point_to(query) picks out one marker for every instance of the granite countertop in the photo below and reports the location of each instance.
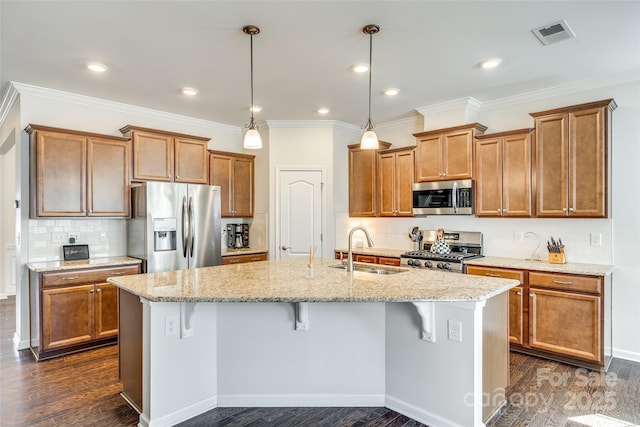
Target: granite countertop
(41, 267)
(543, 265)
(391, 253)
(243, 251)
(286, 281)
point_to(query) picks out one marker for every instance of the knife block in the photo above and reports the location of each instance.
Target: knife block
(557, 258)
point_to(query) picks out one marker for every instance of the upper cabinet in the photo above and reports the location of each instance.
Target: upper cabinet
(446, 154)
(168, 156)
(78, 174)
(234, 173)
(571, 160)
(395, 182)
(363, 180)
(503, 174)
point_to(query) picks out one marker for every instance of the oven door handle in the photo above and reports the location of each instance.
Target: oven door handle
(454, 197)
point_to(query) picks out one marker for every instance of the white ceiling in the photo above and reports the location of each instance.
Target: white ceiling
(427, 49)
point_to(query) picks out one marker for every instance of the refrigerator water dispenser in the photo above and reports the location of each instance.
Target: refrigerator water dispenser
(164, 234)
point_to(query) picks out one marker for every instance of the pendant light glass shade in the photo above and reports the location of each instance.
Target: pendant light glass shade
(369, 139)
(252, 139)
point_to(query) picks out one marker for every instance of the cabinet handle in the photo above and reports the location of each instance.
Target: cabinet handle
(518, 293)
(91, 291)
(70, 278)
(562, 282)
(177, 176)
(98, 290)
(532, 295)
(492, 275)
(572, 210)
(564, 209)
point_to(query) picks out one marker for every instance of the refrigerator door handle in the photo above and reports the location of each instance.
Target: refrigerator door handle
(192, 233)
(184, 223)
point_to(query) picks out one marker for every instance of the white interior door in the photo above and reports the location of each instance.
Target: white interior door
(300, 213)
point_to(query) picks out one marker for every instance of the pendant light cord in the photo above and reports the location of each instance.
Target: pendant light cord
(369, 125)
(251, 125)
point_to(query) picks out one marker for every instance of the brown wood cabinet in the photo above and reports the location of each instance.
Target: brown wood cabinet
(503, 174)
(76, 309)
(371, 259)
(234, 173)
(78, 174)
(446, 154)
(363, 180)
(168, 156)
(395, 182)
(571, 160)
(560, 316)
(240, 259)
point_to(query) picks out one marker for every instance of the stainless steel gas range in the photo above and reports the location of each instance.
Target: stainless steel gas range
(463, 246)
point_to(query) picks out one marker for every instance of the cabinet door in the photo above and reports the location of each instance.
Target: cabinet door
(457, 155)
(551, 165)
(67, 317)
(587, 164)
(152, 156)
(61, 174)
(243, 192)
(388, 261)
(191, 161)
(516, 176)
(108, 186)
(386, 169)
(429, 156)
(565, 323)
(106, 311)
(220, 173)
(362, 182)
(405, 161)
(516, 316)
(370, 259)
(489, 177)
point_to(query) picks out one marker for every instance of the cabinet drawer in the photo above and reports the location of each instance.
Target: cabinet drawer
(496, 272)
(98, 275)
(239, 259)
(366, 258)
(388, 261)
(568, 282)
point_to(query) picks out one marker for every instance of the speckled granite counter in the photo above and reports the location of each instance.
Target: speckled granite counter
(391, 253)
(41, 267)
(244, 251)
(523, 264)
(285, 281)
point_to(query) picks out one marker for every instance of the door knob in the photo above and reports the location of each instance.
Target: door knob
(284, 247)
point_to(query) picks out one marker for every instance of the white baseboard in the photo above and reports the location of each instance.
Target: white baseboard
(19, 344)
(180, 415)
(627, 355)
(294, 400)
(419, 414)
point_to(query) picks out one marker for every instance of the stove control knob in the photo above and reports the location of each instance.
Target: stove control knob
(440, 265)
(417, 263)
(410, 262)
(447, 266)
(428, 264)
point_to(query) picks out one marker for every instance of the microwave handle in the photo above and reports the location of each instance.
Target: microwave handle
(455, 197)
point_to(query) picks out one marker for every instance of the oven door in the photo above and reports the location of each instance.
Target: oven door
(443, 198)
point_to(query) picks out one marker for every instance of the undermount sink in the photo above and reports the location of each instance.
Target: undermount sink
(371, 270)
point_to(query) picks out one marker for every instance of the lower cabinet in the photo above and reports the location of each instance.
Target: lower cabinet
(560, 316)
(239, 259)
(75, 309)
(370, 259)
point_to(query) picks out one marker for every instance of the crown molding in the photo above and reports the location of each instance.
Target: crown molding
(9, 99)
(308, 124)
(120, 107)
(468, 102)
(401, 123)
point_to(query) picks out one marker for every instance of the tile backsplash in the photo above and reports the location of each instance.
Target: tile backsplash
(105, 237)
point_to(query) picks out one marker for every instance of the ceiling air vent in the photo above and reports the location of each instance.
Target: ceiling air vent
(553, 33)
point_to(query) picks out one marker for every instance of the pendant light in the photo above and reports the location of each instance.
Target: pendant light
(369, 139)
(252, 138)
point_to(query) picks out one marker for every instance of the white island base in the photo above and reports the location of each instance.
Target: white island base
(323, 354)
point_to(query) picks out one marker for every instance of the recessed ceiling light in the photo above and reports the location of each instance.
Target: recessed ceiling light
(490, 63)
(323, 110)
(391, 91)
(255, 108)
(189, 91)
(97, 67)
(359, 68)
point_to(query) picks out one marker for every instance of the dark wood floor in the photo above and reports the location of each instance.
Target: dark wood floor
(82, 390)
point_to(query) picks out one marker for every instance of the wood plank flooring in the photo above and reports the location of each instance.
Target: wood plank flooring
(82, 389)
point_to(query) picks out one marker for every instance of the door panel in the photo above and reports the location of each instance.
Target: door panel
(429, 159)
(551, 158)
(243, 187)
(489, 177)
(205, 219)
(152, 156)
(516, 191)
(67, 316)
(191, 161)
(457, 155)
(106, 311)
(405, 162)
(109, 163)
(386, 184)
(300, 213)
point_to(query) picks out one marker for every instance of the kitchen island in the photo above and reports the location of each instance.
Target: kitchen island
(431, 345)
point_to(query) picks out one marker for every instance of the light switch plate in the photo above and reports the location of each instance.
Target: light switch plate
(596, 239)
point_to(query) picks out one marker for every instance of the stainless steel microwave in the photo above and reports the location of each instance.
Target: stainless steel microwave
(443, 198)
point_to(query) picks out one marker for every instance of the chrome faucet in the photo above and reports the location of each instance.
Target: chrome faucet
(350, 256)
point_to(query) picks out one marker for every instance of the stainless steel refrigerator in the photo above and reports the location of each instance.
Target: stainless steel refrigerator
(174, 226)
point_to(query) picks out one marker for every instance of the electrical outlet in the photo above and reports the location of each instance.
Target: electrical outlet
(596, 239)
(103, 237)
(171, 326)
(518, 236)
(73, 237)
(454, 330)
(57, 237)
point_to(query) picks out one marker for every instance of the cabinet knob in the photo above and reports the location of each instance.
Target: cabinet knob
(564, 209)
(169, 175)
(98, 290)
(177, 176)
(518, 293)
(572, 210)
(532, 295)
